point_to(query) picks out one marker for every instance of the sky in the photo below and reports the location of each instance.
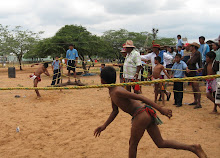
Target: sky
(190, 18)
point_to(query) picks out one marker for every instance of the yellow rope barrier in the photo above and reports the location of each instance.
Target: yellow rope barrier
(187, 91)
(113, 85)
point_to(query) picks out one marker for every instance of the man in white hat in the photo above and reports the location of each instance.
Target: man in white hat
(132, 65)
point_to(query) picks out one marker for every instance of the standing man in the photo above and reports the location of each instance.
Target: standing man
(186, 53)
(164, 57)
(195, 63)
(203, 49)
(179, 42)
(72, 57)
(132, 65)
(121, 64)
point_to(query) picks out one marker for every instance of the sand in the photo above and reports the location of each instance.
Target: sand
(61, 123)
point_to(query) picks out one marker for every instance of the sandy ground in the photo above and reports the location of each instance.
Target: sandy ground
(61, 124)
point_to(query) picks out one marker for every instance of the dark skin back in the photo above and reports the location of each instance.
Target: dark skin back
(127, 101)
(127, 105)
(41, 69)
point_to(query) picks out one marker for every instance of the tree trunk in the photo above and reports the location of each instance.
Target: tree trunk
(83, 62)
(20, 64)
(91, 60)
(19, 60)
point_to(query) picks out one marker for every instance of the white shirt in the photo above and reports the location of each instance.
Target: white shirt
(151, 57)
(169, 60)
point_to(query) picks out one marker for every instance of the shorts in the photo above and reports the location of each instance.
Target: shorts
(156, 79)
(211, 85)
(33, 77)
(71, 65)
(150, 111)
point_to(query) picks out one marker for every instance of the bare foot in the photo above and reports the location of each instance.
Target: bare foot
(213, 112)
(197, 149)
(38, 97)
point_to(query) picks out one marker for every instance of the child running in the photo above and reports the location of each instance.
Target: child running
(211, 68)
(143, 117)
(158, 87)
(36, 76)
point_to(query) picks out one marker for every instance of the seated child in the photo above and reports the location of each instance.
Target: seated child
(158, 87)
(143, 117)
(36, 76)
(211, 67)
(178, 86)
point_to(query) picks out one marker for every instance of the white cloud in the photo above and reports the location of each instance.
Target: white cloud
(190, 18)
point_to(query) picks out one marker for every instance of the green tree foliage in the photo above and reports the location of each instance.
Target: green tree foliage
(85, 43)
(116, 39)
(107, 46)
(17, 41)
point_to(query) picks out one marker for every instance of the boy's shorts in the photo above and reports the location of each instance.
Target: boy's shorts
(211, 85)
(33, 77)
(71, 65)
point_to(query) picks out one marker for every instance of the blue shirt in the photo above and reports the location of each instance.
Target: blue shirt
(161, 55)
(56, 65)
(181, 52)
(181, 66)
(204, 49)
(179, 43)
(72, 54)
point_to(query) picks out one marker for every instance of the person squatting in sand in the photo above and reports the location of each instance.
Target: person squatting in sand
(36, 76)
(144, 117)
(159, 87)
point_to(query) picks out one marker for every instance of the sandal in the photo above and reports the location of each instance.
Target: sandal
(193, 103)
(198, 106)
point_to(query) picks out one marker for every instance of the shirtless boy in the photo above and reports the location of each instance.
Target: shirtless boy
(36, 76)
(143, 117)
(211, 68)
(158, 87)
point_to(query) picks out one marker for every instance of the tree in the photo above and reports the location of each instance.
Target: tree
(83, 40)
(85, 43)
(18, 41)
(154, 33)
(116, 38)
